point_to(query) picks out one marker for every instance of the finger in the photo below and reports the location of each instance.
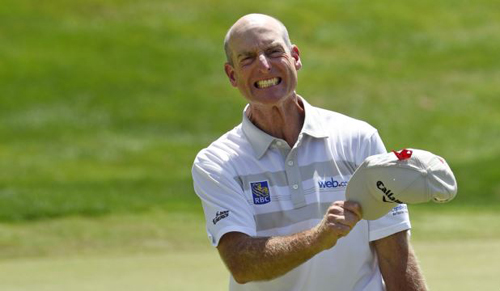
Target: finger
(354, 207)
(347, 218)
(336, 210)
(351, 218)
(339, 229)
(338, 203)
(338, 214)
(336, 207)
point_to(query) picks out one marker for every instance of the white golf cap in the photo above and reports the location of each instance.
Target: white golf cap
(409, 176)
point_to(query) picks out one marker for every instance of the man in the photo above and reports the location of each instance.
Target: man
(273, 188)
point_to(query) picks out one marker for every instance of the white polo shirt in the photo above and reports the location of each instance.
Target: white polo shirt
(251, 182)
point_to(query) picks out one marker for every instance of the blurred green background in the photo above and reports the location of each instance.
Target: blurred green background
(104, 105)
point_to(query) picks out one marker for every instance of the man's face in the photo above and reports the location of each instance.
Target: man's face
(264, 68)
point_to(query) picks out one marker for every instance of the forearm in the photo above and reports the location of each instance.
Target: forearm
(266, 258)
(399, 265)
(409, 277)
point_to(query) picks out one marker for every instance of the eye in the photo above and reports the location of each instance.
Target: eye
(246, 61)
(275, 52)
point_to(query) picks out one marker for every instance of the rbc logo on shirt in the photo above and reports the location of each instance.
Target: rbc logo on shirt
(260, 192)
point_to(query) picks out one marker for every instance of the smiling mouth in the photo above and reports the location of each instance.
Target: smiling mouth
(267, 83)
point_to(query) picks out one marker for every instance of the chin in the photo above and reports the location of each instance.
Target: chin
(268, 100)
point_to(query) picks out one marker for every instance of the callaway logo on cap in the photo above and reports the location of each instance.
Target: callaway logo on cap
(409, 176)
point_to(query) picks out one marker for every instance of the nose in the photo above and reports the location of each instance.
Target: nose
(264, 64)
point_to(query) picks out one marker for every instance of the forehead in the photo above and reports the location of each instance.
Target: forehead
(251, 36)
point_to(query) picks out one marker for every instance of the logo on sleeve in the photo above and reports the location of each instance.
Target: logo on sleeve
(220, 215)
(400, 209)
(260, 192)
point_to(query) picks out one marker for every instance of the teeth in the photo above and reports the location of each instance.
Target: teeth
(267, 83)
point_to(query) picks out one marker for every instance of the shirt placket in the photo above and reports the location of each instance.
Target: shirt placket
(293, 175)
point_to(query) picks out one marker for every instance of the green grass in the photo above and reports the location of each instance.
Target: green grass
(450, 265)
(151, 232)
(104, 104)
(179, 271)
(160, 231)
(457, 251)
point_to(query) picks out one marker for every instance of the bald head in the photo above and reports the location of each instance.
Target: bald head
(252, 21)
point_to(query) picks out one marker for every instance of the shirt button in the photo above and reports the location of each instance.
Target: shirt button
(290, 163)
(278, 143)
(295, 186)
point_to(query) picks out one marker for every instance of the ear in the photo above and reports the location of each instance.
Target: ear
(230, 74)
(296, 56)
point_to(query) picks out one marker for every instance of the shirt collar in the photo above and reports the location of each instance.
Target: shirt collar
(260, 141)
(313, 125)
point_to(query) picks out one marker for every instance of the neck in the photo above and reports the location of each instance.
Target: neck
(283, 120)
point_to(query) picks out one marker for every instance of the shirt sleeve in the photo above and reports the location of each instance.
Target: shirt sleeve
(394, 221)
(223, 202)
(398, 218)
(369, 146)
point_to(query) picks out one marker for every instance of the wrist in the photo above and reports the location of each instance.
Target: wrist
(323, 239)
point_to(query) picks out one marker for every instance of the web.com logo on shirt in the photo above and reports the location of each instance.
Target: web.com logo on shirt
(331, 183)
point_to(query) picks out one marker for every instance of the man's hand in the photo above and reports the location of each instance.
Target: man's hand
(265, 258)
(339, 220)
